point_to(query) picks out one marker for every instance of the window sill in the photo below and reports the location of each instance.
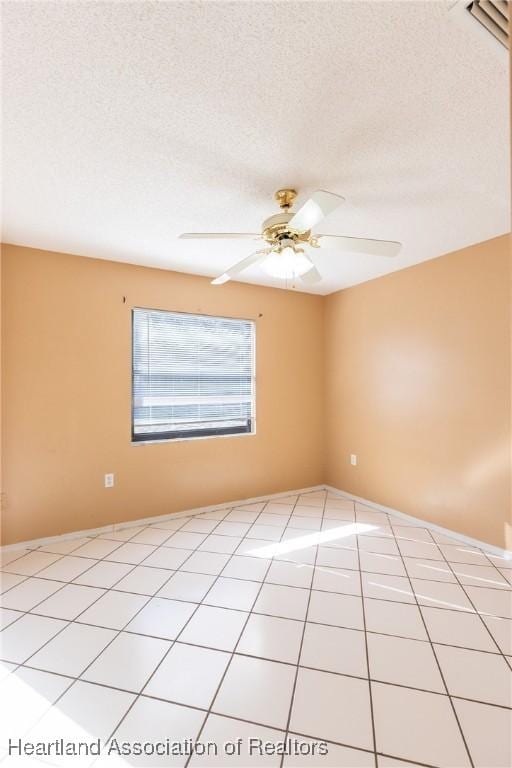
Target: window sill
(189, 439)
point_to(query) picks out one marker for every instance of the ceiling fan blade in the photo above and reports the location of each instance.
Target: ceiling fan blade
(233, 271)
(319, 205)
(312, 276)
(360, 245)
(219, 236)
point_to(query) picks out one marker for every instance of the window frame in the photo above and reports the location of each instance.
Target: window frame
(199, 434)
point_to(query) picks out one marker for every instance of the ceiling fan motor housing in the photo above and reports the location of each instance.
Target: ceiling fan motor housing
(275, 229)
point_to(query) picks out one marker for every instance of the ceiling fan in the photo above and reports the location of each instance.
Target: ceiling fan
(285, 233)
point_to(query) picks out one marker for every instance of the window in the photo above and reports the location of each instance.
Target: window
(192, 376)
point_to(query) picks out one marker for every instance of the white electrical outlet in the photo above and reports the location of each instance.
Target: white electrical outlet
(109, 480)
(353, 459)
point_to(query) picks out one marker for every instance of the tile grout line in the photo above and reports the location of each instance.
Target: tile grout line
(38, 574)
(241, 554)
(294, 687)
(372, 712)
(257, 613)
(439, 666)
(223, 676)
(443, 560)
(506, 587)
(263, 658)
(477, 613)
(238, 578)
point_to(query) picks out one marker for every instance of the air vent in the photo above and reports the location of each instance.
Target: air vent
(494, 15)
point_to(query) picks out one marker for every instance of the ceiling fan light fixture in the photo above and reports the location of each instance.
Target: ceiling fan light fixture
(286, 263)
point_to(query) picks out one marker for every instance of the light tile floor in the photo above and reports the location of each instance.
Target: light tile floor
(308, 618)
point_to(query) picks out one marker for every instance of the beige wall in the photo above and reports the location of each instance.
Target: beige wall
(411, 372)
(66, 395)
(418, 386)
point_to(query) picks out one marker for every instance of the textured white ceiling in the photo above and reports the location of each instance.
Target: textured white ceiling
(128, 123)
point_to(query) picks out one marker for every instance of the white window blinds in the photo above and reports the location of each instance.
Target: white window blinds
(192, 375)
